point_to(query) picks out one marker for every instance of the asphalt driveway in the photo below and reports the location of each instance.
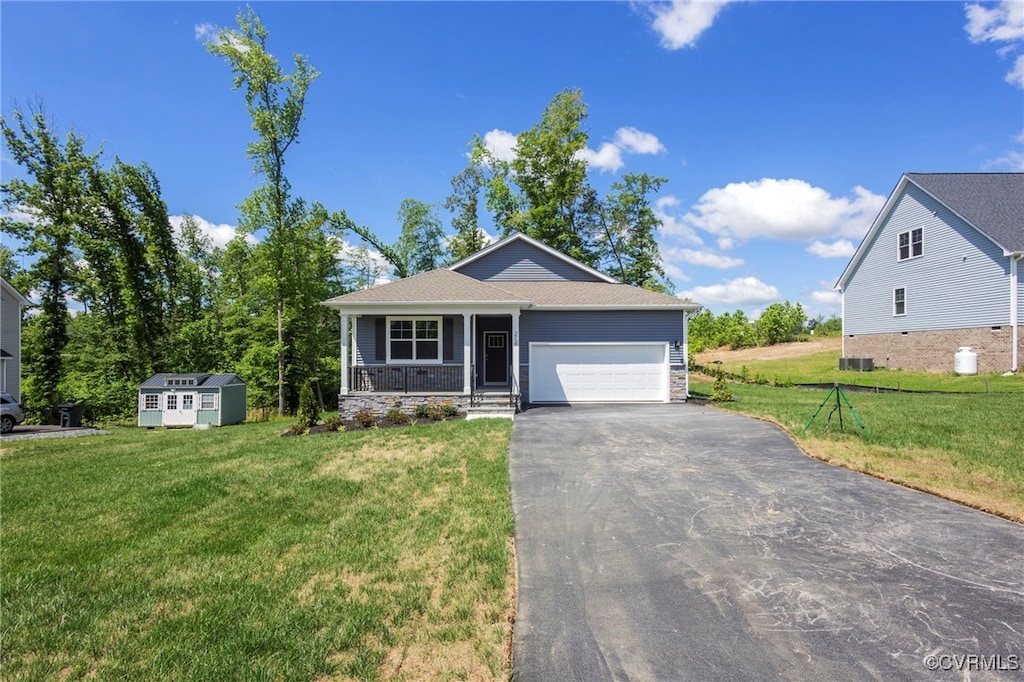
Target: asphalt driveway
(674, 542)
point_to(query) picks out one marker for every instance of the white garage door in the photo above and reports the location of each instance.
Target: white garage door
(598, 372)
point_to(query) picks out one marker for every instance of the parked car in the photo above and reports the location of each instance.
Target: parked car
(11, 412)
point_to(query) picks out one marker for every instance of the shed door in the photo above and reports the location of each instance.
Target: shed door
(598, 372)
(179, 409)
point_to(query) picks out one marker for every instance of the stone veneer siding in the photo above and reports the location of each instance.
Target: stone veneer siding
(380, 403)
(933, 351)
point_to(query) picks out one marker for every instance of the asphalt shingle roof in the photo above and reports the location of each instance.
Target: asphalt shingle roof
(991, 202)
(445, 286)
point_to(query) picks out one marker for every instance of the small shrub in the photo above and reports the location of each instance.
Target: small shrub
(365, 419)
(421, 411)
(744, 374)
(334, 423)
(396, 416)
(309, 409)
(720, 391)
(449, 410)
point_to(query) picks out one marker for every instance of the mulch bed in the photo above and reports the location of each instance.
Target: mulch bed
(352, 425)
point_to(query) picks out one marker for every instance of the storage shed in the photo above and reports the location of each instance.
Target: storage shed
(192, 400)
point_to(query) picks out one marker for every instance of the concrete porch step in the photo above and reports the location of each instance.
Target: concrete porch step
(491, 411)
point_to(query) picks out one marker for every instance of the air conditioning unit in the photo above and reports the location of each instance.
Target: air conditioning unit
(844, 363)
(862, 364)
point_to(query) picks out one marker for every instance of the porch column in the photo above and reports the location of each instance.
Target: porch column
(344, 353)
(515, 348)
(467, 353)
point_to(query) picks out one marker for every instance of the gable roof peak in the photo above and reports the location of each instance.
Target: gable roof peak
(519, 236)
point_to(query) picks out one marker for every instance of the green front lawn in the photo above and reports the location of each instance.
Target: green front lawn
(236, 554)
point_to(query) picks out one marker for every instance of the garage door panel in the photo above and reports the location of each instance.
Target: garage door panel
(598, 372)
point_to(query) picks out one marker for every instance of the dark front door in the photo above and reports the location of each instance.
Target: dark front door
(495, 357)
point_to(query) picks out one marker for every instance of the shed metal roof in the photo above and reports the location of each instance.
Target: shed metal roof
(202, 380)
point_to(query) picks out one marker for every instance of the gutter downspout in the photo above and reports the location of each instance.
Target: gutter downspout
(842, 318)
(1014, 312)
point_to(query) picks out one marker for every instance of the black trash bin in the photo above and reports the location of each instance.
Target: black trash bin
(71, 414)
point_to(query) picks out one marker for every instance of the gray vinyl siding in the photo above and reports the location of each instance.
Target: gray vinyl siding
(366, 340)
(619, 326)
(960, 281)
(522, 262)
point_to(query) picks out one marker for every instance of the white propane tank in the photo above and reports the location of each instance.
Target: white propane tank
(965, 361)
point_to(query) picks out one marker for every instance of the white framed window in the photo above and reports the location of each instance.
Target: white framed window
(151, 401)
(188, 401)
(899, 301)
(170, 401)
(207, 401)
(910, 244)
(414, 339)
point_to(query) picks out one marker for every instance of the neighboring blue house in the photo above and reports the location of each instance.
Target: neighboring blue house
(516, 321)
(940, 269)
(194, 400)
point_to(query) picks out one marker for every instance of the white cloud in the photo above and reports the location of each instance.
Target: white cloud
(607, 158)
(827, 299)
(220, 234)
(1016, 74)
(726, 243)
(501, 144)
(23, 214)
(637, 141)
(211, 33)
(841, 248)
(741, 292)
(206, 31)
(1002, 22)
(789, 209)
(675, 272)
(673, 226)
(1012, 160)
(707, 259)
(683, 22)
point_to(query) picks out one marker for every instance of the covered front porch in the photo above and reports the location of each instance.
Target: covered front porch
(406, 357)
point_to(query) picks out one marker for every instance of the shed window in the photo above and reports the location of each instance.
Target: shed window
(151, 401)
(899, 301)
(207, 401)
(414, 339)
(911, 244)
(171, 402)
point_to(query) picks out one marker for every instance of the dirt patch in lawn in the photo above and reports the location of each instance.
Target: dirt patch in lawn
(795, 349)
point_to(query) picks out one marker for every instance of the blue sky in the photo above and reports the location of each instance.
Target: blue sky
(781, 126)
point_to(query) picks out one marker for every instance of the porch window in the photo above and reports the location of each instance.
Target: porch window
(152, 401)
(414, 339)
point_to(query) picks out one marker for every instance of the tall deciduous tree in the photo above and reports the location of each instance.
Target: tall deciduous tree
(463, 203)
(54, 202)
(275, 102)
(629, 236)
(421, 241)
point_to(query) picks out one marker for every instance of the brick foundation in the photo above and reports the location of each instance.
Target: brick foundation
(933, 351)
(380, 403)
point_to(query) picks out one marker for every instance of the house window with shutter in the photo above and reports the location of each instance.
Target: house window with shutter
(414, 339)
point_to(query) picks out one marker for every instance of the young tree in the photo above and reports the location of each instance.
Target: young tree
(55, 201)
(275, 102)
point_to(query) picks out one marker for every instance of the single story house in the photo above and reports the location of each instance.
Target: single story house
(11, 302)
(517, 320)
(940, 269)
(192, 400)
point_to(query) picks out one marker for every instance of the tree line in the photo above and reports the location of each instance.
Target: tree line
(122, 295)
